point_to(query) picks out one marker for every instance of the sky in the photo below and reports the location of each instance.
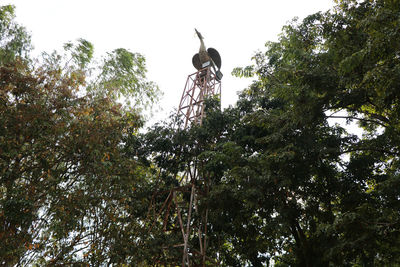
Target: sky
(163, 31)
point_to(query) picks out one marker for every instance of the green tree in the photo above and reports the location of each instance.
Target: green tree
(341, 64)
(59, 154)
(170, 150)
(14, 40)
(67, 187)
(288, 184)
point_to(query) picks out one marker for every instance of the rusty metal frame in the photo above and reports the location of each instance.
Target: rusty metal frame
(199, 85)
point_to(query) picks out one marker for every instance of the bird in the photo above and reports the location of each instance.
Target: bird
(207, 55)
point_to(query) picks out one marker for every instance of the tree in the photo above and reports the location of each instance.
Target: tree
(67, 188)
(14, 40)
(57, 150)
(170, 150)
(79, 184)
(288, 184)
(341, 64)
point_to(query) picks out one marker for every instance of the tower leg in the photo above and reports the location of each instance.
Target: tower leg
(198, 87)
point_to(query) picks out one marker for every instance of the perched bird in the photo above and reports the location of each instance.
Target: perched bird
(207, 55)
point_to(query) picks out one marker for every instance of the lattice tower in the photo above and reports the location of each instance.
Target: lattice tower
(199, 85)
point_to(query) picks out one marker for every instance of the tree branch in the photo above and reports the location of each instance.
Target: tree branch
(356, 118)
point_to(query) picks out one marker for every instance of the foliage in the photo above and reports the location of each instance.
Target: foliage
(62, 169)
(14, 40)
(282, 183)
(120, 75)
(327, 209)
(289, 185)
(123, 73)
(67, 188)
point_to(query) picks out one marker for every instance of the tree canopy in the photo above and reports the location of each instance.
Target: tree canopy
(289, 181)
(290, 186)
(66, 184)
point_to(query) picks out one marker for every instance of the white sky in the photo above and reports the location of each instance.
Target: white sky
(163, 31)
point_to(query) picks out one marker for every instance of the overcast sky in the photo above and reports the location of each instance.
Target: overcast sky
(163, 31)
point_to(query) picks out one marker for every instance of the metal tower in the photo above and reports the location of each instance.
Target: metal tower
(191, 221)
(199, 85)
